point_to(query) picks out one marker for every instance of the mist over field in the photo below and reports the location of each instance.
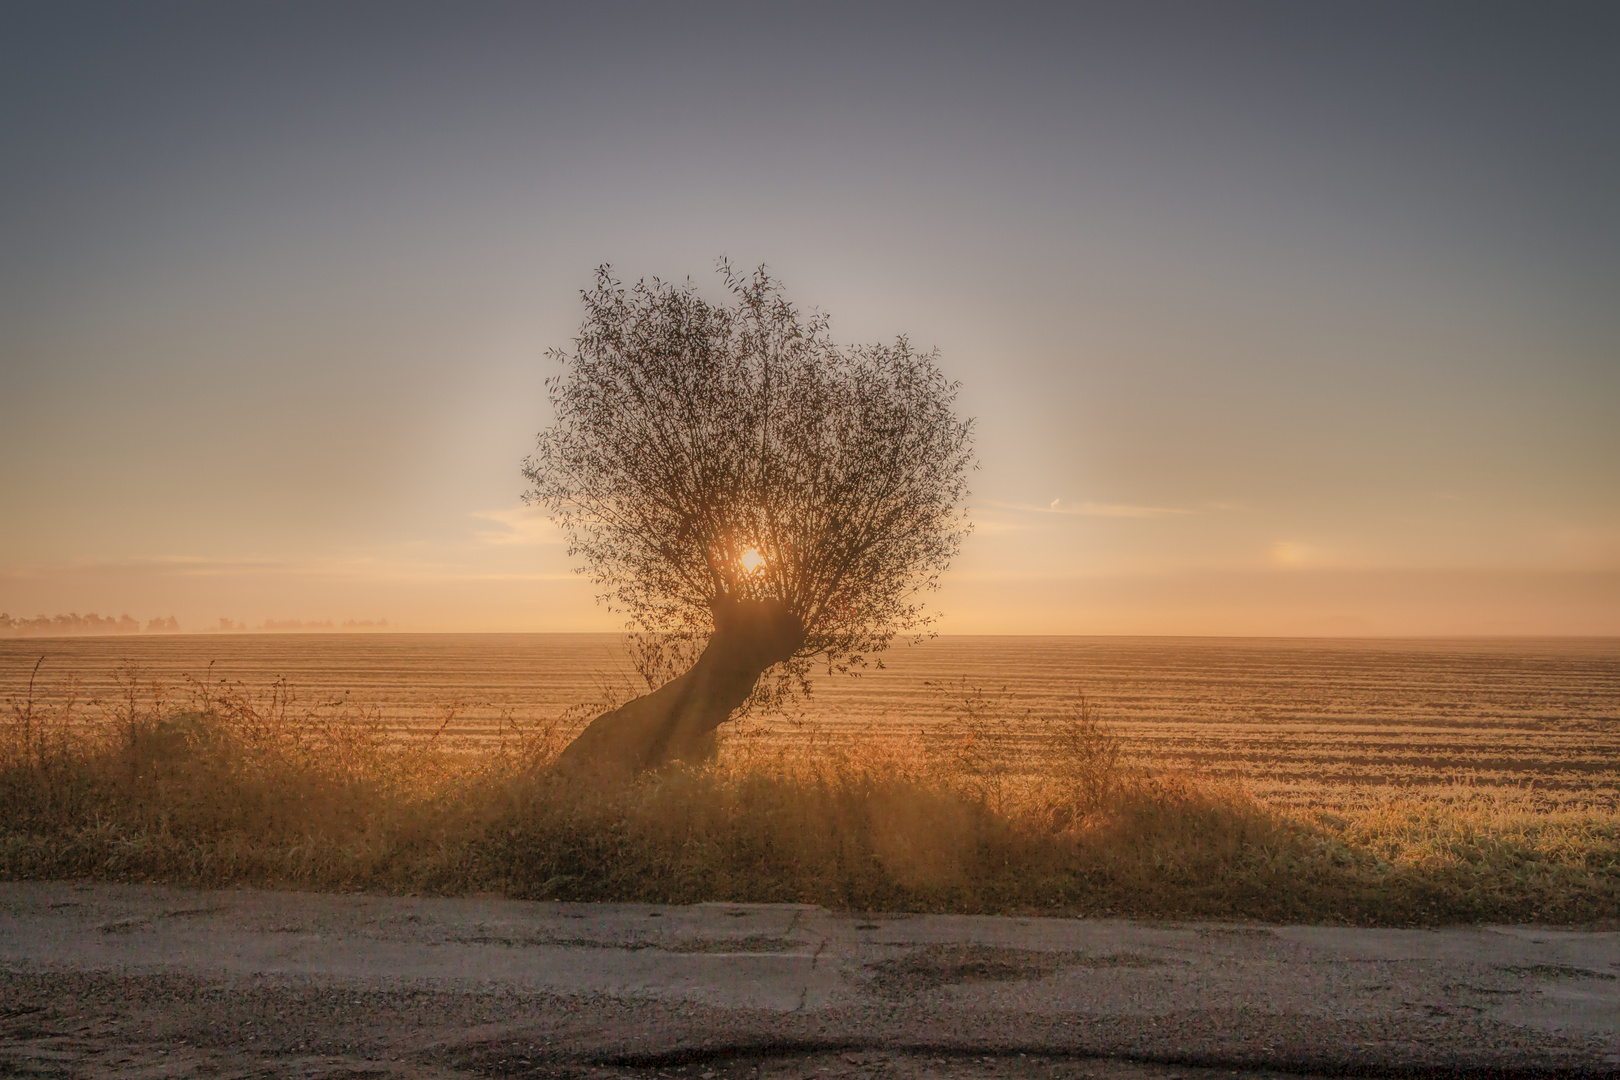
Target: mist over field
(1249, 371)
(1275, 321)
(740, 542)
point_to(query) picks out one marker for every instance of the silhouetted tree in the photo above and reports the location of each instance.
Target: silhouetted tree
(726, 470)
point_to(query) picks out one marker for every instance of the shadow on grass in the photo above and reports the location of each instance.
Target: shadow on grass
(1158, 847)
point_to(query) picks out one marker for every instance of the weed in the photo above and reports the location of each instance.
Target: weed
(1002, 807)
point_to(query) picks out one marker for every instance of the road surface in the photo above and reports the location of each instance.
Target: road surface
(127, 981)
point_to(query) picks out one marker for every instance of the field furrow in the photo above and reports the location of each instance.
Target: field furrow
(1301, 721)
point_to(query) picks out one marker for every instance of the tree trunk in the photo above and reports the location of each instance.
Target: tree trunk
(675, 721)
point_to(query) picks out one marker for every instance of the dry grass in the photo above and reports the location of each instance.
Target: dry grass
(998, 808)
(1301, 724)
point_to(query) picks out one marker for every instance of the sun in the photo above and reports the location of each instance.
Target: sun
(752, 560)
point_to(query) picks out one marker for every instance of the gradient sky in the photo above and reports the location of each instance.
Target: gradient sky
(1276, 318)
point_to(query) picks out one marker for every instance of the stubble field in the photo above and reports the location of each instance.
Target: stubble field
(1374, 781)
(1302, 722)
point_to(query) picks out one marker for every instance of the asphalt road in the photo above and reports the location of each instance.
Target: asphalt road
(126, 981)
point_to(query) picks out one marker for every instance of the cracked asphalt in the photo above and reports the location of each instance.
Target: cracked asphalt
(147, 981)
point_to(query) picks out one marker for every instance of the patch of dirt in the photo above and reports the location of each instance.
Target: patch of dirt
(864, 1064)
(934, 966)
(753, 943)
(1245, 932)
(1558, 971)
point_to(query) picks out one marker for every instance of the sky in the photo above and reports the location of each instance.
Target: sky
(1274, 318)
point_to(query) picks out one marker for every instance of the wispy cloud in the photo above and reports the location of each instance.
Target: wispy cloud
(983, 526)
(363, 568)
(517, 525)
(1292, 553)
(1093, 509)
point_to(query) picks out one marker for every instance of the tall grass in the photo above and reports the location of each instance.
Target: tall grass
(999, 810)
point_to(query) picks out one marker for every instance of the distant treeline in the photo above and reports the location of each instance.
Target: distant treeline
(74, 623)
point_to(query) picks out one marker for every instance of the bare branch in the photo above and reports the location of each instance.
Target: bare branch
(688, 433)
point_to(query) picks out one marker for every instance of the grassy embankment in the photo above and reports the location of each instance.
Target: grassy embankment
(991, 813)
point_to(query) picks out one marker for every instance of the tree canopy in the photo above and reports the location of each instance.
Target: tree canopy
(704, 453)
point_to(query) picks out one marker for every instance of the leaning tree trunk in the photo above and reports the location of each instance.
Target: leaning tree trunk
(675, 721)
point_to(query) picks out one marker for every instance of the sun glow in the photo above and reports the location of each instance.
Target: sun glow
(752, 560)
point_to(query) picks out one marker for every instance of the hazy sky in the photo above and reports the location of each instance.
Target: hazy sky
(1276, 318)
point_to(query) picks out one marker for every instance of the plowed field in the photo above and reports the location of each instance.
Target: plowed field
(1304, 721)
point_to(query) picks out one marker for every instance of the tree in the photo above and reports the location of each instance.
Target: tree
(727, 471)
